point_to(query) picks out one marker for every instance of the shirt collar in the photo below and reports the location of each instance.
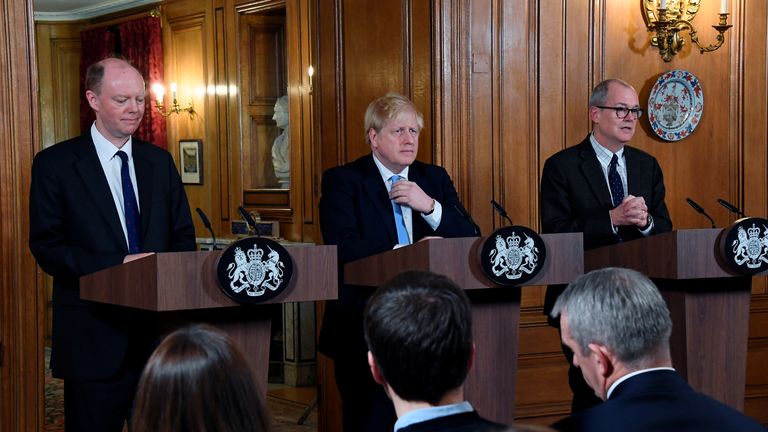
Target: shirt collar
(599, 149)
(630, 375)
(105, 149)
(425, 414)
(386, 173)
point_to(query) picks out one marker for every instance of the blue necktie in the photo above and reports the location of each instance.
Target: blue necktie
(402, 231)
(614, 181)
(132, 221)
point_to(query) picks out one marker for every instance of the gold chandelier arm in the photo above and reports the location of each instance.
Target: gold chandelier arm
(721, 28)
(175, 109)
(159, 108)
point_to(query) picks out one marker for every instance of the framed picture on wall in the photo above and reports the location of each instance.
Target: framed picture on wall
(191, 161)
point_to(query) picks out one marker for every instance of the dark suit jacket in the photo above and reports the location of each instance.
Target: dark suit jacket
(75, 230)
(463, 422)
(575, 197)
(658, 401)
(356, 215)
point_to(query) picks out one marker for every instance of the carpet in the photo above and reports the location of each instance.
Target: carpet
(285, 413)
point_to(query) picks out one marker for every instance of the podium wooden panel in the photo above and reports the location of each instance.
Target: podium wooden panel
(182, 288)
(490, 385)
(709, 305)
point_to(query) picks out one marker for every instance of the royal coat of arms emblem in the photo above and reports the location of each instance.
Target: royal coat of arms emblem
(512, 255)
(743, 247)
(254, 269)
(751, 247)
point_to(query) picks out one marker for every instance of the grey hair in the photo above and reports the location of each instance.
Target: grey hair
(619, 308)
(599, 94)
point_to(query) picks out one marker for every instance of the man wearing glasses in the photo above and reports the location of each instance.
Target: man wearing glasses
(605, 189)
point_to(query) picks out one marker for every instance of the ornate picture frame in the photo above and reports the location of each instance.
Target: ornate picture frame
(191, 161)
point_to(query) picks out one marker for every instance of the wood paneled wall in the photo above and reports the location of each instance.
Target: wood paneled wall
(503, 85)
(21, 298)
(208, 51)
(509, 88)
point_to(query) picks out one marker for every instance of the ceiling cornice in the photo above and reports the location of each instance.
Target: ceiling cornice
(102, 8)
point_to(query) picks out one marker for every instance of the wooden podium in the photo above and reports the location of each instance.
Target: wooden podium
(490, 385)
(182, 288)
(709, 306)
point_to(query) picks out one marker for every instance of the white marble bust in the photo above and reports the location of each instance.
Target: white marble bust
(281, 148)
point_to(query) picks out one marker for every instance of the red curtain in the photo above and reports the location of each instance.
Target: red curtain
(97, 43)
(140, 42)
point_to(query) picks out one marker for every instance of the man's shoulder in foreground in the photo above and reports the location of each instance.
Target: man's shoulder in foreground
(461, 422)
(653, 404)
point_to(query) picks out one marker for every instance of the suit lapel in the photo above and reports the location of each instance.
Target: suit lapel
(92, 175)
(377, 194)
(144, 181)
(593, 174)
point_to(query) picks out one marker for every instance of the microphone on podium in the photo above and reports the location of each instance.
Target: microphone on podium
(207, 224)
(699, 209)
(249, 220)
(500, 210)
(732, 208)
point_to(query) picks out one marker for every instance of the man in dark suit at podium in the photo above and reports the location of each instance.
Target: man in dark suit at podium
(96, 201)
(603, 188)
(383, 200)
(618, 326)
(418, 327)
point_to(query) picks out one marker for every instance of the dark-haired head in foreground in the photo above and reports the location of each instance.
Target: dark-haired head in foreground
(197, 380)
(418, 327)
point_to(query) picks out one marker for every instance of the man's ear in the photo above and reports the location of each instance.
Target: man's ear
(92, 99)
(372, 134)
(375, 371)
(604, 359)
(593, 113)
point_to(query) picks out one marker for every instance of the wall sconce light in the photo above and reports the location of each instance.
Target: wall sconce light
(674, 16)
(175, 108)
(310, 74)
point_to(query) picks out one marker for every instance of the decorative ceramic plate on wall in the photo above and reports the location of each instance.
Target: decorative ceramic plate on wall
(675, 105)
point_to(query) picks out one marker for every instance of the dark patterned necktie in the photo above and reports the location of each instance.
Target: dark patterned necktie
(130, 206)
(402, 231)
(614, 181)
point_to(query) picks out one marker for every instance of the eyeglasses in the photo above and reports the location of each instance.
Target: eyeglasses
(623, 112)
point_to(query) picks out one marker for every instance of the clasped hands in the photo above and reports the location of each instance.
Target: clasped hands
(631, 211)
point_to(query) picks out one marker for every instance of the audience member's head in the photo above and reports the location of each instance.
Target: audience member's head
(198, 380)
(419, 332)
(616, 322)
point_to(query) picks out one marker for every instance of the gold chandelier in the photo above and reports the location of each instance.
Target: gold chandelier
(668, 18)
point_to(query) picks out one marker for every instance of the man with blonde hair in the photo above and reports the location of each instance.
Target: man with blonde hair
(383, 200)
